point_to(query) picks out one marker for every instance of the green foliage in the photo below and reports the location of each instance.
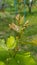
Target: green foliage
(18, 59)
(13, 50)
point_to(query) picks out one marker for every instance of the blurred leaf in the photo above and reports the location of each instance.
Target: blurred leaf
(2, 63)
(11, 42)
(34, 40)
(12, 62)
(25, 59)
(3, 53)
(2, 44)
(2, 41)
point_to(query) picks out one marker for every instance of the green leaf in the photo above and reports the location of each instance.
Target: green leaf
(25, 59)
(3, 45)
(11, 42)
(3, 53)
(2, 41)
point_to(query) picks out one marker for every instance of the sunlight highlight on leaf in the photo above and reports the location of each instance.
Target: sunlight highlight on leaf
(11, 42)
